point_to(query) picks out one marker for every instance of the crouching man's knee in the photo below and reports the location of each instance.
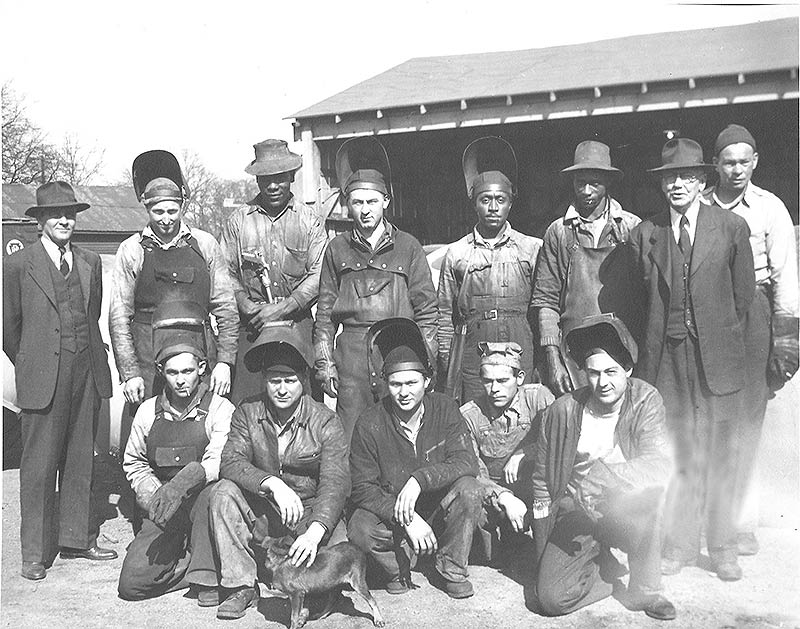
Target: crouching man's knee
(467, 497)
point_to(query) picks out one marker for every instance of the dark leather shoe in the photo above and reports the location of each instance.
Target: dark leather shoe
(95, 553)
(746, 544)
(654, 605)
(237, 603)
(33, 570)
(206, 596)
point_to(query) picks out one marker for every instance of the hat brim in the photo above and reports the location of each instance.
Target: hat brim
(273, 167)
(669, 167)
(36, 209)
(610, 170)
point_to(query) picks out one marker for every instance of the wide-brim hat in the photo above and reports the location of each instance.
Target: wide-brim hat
(680, 154)
(273, 157)
(397, 344)
(605, 331)
(279, 342)
(362, 163)
(53, 196)
(159, 168)
(178, 327)
(592, 155)
(489, 160)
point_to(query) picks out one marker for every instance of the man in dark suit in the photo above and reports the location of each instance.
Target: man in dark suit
(52, 292)
(697, 271)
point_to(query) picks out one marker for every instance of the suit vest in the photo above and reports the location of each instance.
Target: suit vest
(680, 322)
(74, 328)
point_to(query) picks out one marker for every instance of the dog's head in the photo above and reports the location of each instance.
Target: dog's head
(277, 549)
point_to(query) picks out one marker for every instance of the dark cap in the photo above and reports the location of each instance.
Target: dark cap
(280, 347)
(500, 354)
(161, 189)
(489, 161)
(178, 327)
(603, 332)
(362, 163)
(733, 134)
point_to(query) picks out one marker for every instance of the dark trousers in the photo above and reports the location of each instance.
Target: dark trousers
(754, 402)
(240, 522)
(453, 518)
(569, 576)
(703, 430)
(59, 441)
(162, 560)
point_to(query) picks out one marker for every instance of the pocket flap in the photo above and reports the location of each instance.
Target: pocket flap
(366, 287)
(175, 456)
(182, 275)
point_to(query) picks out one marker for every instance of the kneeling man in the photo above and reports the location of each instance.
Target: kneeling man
(602, 462)
(172, 455)
(413, 468)
(284, 470)
(504, 423)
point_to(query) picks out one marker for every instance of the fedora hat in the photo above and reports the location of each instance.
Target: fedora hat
(55, 195)
(592, 155)
(487, 161)
(272, 158)
(681, 153)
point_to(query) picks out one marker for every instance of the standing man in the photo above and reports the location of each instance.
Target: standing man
(697, 274)
(568, 284)
(773, 313)
(602, 462)
(284, 470)
(168, 261)
(487, 276)
(172, 460)
(504, 424)
(372, 273)
(413, 469)
(273, 248)
(52, 293)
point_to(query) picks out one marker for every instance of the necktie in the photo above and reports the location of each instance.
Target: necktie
(63, 266)
(684, 242)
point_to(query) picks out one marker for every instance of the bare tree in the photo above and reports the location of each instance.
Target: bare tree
(28, 155)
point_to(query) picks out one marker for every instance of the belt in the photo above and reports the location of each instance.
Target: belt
(494, 314)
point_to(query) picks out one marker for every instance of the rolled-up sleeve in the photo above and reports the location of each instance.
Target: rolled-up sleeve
(134, 463)
(218, 424)
(782, 259)
(306, 292)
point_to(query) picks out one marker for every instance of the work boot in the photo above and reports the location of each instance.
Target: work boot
(206, 596)
(33, 570)
(654, 605)
(237, 603)
(746, 544)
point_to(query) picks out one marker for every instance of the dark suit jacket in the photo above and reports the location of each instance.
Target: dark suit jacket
(31, 337)
(721, 282)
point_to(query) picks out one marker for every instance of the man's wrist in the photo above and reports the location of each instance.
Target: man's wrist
(264, 488)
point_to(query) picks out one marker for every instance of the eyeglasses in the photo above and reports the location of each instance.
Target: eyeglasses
(685, 176)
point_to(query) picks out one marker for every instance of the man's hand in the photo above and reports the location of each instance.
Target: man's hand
(557, 379)
(328, 378)
(407, 501)
(305, 547)
(289, 504)
(220, 382)
(514, 509)
(267, 313)
(133, 390)
(511, 468)
(421, 536)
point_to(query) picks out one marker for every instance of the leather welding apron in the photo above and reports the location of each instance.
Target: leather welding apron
(598, 281)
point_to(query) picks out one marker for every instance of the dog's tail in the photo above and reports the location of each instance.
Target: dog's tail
(329, 603)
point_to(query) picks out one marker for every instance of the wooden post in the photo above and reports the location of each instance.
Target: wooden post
(311, 166)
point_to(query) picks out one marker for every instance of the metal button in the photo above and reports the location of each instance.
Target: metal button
(174, 274)
(399, 268)
(177, 458)
(383, 266)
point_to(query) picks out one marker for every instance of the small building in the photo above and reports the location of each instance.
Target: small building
(114, 215)
(632, 93)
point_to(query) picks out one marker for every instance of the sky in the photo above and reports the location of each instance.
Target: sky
(216, 77)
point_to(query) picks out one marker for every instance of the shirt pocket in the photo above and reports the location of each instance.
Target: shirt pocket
(294, 263)
(367, 287)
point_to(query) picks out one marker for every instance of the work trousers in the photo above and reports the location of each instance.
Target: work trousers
(453, 518)
(702, 427)
(239, 523)
(569, 575)
(59, 441)
(161, 560)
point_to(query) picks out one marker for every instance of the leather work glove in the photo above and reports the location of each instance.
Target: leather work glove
(169, 497)
(557, 377)
(328, 378)
(783, 356)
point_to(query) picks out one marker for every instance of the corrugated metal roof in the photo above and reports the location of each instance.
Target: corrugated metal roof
(113, 208)
(729, 50)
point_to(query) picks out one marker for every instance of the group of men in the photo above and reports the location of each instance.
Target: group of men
(699, 302)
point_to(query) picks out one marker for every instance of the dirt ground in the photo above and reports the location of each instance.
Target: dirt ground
(80, 593)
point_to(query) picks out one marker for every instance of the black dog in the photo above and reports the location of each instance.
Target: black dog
(334, 566)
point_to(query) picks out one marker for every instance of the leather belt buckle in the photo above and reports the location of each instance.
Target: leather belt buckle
(490, 315)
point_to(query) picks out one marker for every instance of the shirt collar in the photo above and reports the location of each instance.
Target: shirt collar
(52, 248)
(612, 210)
(511, 412)
(746, 198)
(506, 234)
(299, 417)
(256, 206)
(183, 232)
(191, 409)
(691, 216)
(388, 237)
